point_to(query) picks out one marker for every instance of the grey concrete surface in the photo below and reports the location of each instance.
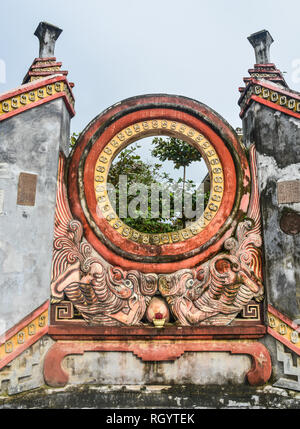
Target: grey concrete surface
(277, 140)
(30, 143)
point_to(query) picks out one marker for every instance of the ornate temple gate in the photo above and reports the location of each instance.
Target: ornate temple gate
(208, 274)
(208, 280)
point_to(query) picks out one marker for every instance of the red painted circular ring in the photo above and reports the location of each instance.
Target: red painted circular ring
(166, 258)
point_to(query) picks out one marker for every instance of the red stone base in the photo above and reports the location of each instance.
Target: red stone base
(157, 350)
(78, 331)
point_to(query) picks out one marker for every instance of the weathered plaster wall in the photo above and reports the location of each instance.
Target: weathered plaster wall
(26, 371)
(29, 142)
(118, 368)
(22, 383)
(285, 365)
(277, 140)
(125, 368)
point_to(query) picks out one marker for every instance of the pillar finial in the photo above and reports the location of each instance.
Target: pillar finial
(47, 35)
(261, 42)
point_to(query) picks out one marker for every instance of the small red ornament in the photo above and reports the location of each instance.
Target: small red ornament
(158, 316)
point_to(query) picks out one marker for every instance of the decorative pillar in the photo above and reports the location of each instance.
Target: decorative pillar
(271, 121)
(34, 129)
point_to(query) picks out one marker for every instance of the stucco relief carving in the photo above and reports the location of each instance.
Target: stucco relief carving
(211, 294)
(216, 292)
(104, 295)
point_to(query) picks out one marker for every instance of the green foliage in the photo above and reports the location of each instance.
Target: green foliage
(73, 140)
(181, 153)
(206, 198)
(130, 164)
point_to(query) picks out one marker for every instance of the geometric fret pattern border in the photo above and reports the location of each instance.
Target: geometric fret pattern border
(289, 369)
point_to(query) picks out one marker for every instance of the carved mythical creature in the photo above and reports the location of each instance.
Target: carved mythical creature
(216, 292)
(106, 295)
(213, 293)
(103, 294)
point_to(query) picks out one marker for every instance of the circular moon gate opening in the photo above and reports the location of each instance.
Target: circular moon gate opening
(159, 193)
(133, 120)
(158, 184)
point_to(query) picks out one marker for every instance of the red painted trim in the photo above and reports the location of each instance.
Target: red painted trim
(53, 64)
(283, 340)
(275, 106)
(264, 65)
(34, 85)
(47, 73)
(38, 59)
(267, 103)
(284, 318)
(280, 337)
(265, 70)
(17, 328)
(49, 59)
(23, 323)
(160, 268)
(275, 88)
(75, 332)
(207, 116)
(270, 105)
(23, 347)
(168, 249)
(259, 373)
(38, 103)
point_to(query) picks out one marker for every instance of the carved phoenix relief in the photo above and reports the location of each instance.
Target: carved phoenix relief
(216, 292)
(211, 294)
(104, 295)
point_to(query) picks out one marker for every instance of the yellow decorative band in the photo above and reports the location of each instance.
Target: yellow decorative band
(25, 334)
(20, 100)
(272, 96)
(46, 69)
(284, 330)
(163, 127)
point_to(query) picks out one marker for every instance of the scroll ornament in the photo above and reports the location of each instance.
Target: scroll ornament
(211, 294)
(104, 295)
(216, 292)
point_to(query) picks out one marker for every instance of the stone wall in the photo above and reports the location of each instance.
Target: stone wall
(277, 140)
(29, 143)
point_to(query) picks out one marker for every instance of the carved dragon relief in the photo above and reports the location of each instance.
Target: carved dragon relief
(211, 294)
(216, 292)
(104, 295)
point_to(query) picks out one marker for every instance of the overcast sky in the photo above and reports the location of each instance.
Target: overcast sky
(114, 49)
